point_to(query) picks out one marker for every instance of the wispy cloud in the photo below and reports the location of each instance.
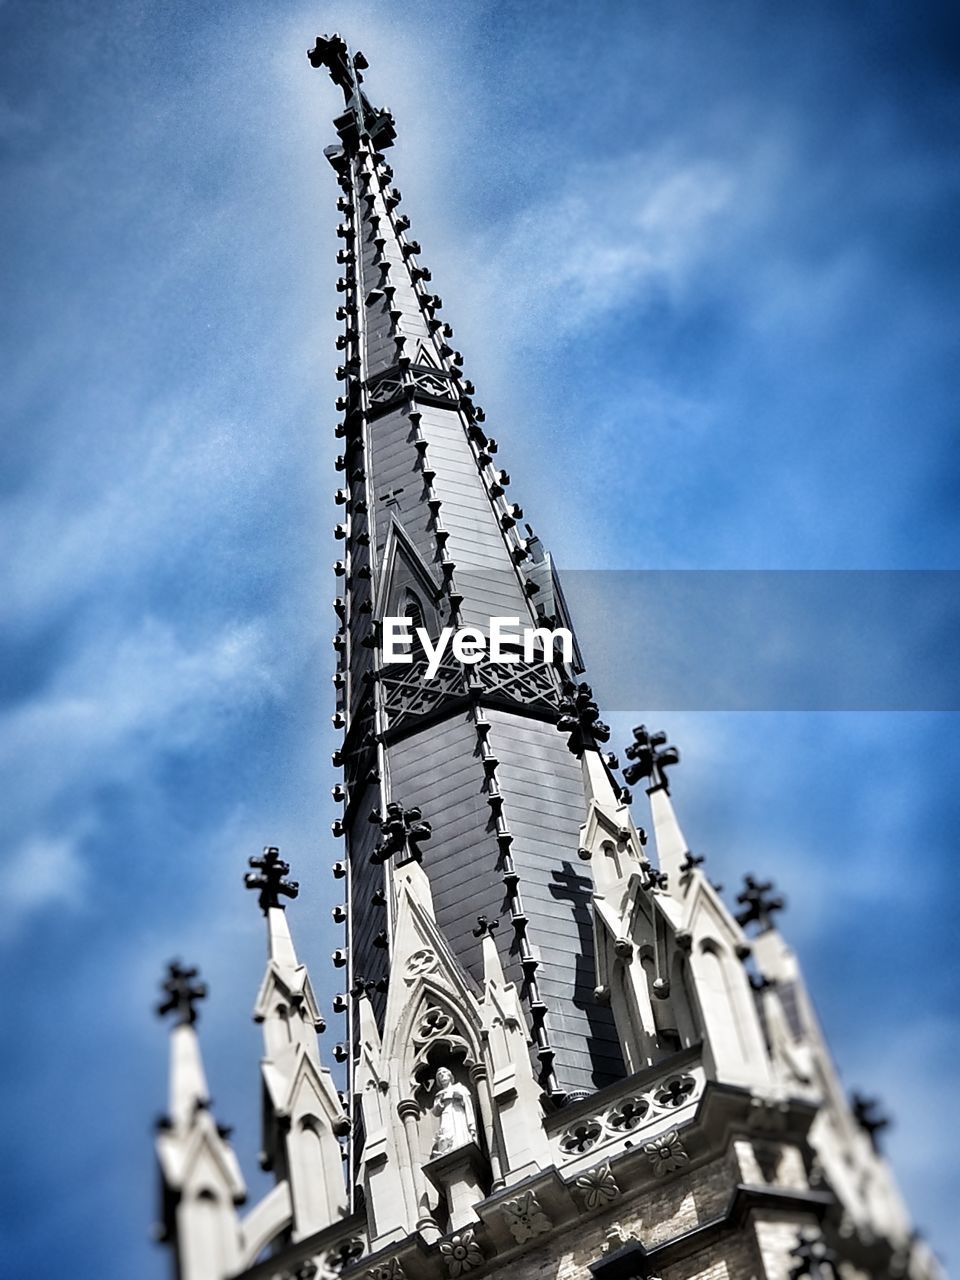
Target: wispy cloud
(611, 234)
(42, 872)
(121, 707)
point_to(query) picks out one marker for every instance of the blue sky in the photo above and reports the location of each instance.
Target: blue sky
(703, 261)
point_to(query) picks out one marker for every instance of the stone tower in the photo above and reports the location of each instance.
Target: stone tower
(565, 1055)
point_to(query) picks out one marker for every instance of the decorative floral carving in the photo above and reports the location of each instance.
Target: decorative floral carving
(814, 1259)
(389, 1270)
(525, 1217)
(307, 1270)
(461, 1253)
(666, 1153)
(598, 1186)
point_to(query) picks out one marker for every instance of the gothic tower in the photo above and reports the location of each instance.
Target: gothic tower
(564, 1054)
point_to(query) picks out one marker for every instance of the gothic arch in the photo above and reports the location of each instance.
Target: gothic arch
(413, 608)
(718, 1001)
(436, 1029)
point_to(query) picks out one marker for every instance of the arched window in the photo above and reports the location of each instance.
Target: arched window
(413, 609)
(717, 1002)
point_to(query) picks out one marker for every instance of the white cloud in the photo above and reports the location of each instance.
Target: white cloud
(614, 232)
(109, 717)
(148, 685)
(42, 872)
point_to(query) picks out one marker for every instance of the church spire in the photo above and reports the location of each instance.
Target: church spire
(652, 757)
(182, 992)
(488, 754)
(200, 1177)
(561, 1054)
(303, 1119)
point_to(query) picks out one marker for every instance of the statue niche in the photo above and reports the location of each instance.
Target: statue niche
(450, 1137)
(457, 1167)
(453, 1106)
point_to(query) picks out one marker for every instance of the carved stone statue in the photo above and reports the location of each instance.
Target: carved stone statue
(454, 1106)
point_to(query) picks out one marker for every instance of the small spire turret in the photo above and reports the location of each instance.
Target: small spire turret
(201, 1180)
(652, 756)
(303, 1118)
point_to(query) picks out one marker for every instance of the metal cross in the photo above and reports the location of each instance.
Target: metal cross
(400, 827)
(270, 881)
(867, 1113)
(690, 862)
(332, 52)
(391, 498)
(580, 717)
(346, 73)
(652, 756)
(758, 903)
(181, 994)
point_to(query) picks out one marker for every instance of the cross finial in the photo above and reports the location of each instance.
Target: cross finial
(332, 52)
(690, 863)
(403, 831)
(580, 717)
(867, 1113)
(759, 903)
(485, 927)
(270, 881)
(181, 994)
(346, 71)
(652, 756)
